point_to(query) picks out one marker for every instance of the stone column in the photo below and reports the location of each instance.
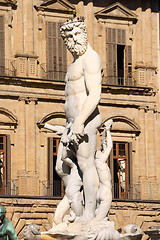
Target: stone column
(80, 9)
(144, 188)
(142, 146)
(42, 155)
(31, 136)
(24, 24)
(147, 38)
(21, 135)
(89, 22)
(19, 29)
(29, 27)
(139, 43)
(152, 180)
(135, 160)
(100, 41)
(150, 144)
(28, 183)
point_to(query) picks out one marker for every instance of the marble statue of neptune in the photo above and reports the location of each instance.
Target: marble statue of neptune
(83, 168)
(82, 92)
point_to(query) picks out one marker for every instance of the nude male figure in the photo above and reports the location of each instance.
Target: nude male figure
(82, 91)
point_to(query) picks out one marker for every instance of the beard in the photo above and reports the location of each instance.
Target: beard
(78, 48)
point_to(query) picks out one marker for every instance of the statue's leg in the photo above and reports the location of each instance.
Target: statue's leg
(62, 208)
(63, 170)
(85, 156)
(105, 190)
(73, 191)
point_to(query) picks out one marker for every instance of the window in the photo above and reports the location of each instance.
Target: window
(119, 58)
(56, 53)
(55, 183)
(5, 167)
(120, 163)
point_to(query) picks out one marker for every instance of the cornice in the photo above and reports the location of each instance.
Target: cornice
(12, 3)
(63, 6)
(116, 11)
(128, 90)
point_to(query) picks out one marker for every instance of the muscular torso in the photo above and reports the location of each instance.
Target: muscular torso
(83, 88)
(75, 90)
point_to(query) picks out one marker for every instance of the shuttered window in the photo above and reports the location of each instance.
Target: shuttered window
(2, 46)
(5, 165)
(55, 185)
(119, 58)
(56, 53)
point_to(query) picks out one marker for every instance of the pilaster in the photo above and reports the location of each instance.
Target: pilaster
(139, 44)
(147, 38)
(142, 141)
(21, 135)
(80, 9)
(89, 22)
(28, 180)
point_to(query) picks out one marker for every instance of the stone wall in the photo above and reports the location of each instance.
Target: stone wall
(23, 211)
(28, 99)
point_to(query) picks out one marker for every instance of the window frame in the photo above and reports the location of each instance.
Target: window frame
(114, 38)
(6, 186)
(128, 171)
(51, 168)
(56, 52)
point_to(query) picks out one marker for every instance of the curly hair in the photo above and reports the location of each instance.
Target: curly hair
(71, 23)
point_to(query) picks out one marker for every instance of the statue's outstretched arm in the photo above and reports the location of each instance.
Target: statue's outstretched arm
(55, 128)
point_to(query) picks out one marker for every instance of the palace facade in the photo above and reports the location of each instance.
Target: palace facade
(33, 64)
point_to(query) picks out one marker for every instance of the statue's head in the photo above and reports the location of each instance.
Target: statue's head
(74, 34)
(2, 212)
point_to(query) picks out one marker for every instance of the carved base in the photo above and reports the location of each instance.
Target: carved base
(82, 231)
(103, 230)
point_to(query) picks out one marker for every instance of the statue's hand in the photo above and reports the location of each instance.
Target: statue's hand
(77, 128)
(77, 132)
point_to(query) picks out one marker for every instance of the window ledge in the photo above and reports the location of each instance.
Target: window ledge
(128, 90)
